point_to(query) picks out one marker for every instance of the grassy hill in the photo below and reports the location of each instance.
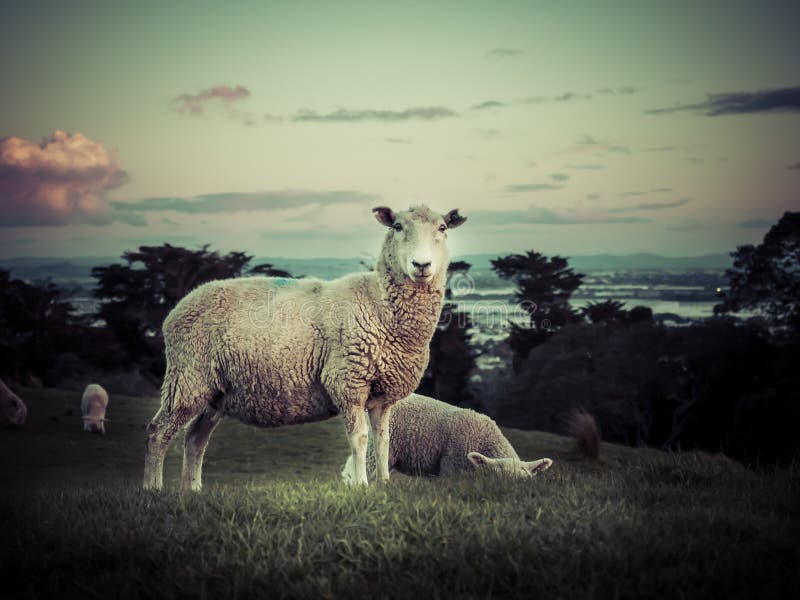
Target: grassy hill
(275, 521)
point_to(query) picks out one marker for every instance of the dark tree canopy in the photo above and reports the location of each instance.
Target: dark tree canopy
(268, 270)
(608, 311)
(452, 358)
(544, 287)
(766, 278)
(36, 322)
(613, 312)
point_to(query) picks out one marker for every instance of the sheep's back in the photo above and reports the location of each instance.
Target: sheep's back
(417, 434)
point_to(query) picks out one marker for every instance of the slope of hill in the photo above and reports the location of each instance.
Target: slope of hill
(275, 521)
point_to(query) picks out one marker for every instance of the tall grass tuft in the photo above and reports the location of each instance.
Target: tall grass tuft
(586, 432)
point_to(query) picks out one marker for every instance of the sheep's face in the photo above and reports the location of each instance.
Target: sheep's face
(416, 244)
(13, 409)
(510, 467)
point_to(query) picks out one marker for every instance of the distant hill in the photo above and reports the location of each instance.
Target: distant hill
(79, 268)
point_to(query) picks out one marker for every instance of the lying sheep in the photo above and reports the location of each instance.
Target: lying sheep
(12, 408)
(93, 409)
(429, 437)
(273, 351)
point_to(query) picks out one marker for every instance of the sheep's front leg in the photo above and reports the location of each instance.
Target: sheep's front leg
(355, 421)
(379, 418)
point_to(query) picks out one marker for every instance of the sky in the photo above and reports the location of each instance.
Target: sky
(274, 127)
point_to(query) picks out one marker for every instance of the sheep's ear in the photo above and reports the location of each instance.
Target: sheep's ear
(453, 219)
(535, 467)
(384, 215)
(478, 459)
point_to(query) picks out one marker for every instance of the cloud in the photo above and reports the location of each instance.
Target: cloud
(219, 97)
(650, 206)
(777, 100)
(243, 202)
(343, 115)
(196, 104)
(394, 140)
(488, 104)
(62, 180)
(756, 223)
(644, 192)
(592, 196)
(565, 97)
(690, 225)
(794, 167)
(520, 188)
(625, 90)
(559, 177)
(700, 160)
(545, 216)
(587, 141)
(587, 167)
(502, 53)
(488, 134)
(571, 96)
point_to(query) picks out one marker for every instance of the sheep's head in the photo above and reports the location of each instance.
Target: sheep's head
(416, 244)
(509, 466)
(13, 409)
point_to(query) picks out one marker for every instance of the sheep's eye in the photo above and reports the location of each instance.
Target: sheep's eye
(443, 228)
(397, 227)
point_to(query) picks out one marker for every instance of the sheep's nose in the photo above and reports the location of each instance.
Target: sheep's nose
(421, 266)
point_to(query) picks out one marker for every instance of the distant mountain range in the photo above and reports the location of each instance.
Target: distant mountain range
(79, 268)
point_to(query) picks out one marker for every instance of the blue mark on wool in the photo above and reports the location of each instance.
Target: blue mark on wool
(283, 281)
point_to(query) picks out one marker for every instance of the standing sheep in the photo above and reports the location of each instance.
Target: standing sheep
(93, 408)
(272, 351)
(12, 408)
(429, 437)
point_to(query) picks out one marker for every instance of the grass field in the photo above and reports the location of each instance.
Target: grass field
(274, 521)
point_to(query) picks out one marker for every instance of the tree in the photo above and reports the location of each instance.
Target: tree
(36, 324)
(611, 312)
(766, 278)
(544, 286)
(608, 311)
(451, 356)
(268, 270)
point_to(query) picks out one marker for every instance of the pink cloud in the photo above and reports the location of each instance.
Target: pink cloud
(62, 180)
(195, 104)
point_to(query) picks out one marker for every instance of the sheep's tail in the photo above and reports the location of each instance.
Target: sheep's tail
(586, 432)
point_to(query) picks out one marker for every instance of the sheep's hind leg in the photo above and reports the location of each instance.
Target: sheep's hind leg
(355, 421)
(379, 418)
(197, 435)
(171, 417)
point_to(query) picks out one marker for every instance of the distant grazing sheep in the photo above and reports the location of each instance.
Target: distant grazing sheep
(93, 409)
(429, 437)
(272, 351)
(12, 408)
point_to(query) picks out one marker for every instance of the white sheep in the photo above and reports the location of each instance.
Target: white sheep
(429, 437)
(93, 408)
(12, 408)
(273, 351)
